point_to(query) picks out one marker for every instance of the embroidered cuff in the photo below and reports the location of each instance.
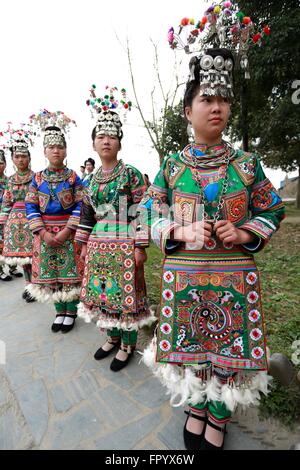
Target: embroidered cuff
(82, 236)
(73, 222)
(160, 232)
(36, 224)
(260, 226)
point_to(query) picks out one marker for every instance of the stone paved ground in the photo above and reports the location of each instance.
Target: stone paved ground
(54, 395)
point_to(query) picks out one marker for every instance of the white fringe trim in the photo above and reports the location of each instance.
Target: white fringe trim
(183, 385)
(15, 261)
(88, 315)
(46, 295)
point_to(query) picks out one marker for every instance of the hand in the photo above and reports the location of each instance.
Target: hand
(83, 251)
(140, 257)
(62, 236)
(228, 233)
(197, 232)
(48, 238)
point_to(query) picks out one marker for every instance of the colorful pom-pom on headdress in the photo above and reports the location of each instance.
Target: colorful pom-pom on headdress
(108, 110)
(18, 138)
(45, 119)
(223, 26)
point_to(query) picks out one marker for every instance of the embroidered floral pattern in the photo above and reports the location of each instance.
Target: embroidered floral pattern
(167, 312)
(251, 278)
(168, 277)
(254, 316)
(256, 334)
(165, 346)
(165, 328)
(252, 297)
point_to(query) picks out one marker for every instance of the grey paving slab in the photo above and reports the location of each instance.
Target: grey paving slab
(69, 430)
(124, 410)
(150, 393)
(44, 368)
(10, 431)
(128, 436)
(60, 399)
(3, 397)
(171, 434)
(237, 440)
(19, 372)
(33, 401)
(119, 379)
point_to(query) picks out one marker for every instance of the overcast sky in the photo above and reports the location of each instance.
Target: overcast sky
(52, 52)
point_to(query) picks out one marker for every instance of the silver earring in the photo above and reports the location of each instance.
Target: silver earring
(190, 133)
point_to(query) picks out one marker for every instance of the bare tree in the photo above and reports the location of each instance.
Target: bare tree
(156, 127)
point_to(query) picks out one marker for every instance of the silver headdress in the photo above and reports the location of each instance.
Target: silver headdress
(59, 119)
(18, 139)
(107, 110)
(224, 27)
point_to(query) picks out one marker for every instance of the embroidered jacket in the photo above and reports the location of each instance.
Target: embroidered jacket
(15, 191)
(62, 198)
(250, 200)
(120, 197)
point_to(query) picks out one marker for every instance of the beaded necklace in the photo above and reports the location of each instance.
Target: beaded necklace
(216, 156)
(100, 178)
(53, 180)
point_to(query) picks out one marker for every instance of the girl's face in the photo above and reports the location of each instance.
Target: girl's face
(2, 168)
(21, 161)
(209, 116)
(107, 147)
(56, 155)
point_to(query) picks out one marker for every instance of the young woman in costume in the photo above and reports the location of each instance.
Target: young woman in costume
(113, 288)
(17, 245)
(210, 350)
(3, 183)
(53, 206)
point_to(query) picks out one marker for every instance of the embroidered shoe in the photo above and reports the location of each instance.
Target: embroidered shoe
(193, 441)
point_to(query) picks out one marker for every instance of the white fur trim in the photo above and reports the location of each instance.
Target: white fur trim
(183, 385)
(16, 261)
(46, 295)
(88, 315)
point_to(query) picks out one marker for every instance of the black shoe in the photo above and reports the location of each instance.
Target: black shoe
(101, 354)
(67, 328)
(5, 277)
(206, 445)
(15, 273)
(57, 326)
(193, 441)
(117, 365)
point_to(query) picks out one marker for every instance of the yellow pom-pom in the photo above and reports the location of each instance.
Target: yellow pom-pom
(217, 9)
(192, 21)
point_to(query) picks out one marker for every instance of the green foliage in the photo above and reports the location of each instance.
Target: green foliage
(282, 403)
(272, 120)
(171, 130)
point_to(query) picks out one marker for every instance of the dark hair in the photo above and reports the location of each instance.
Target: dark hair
(55, 128)
(192, 87)
(13, 147)
(90, 160)
(2, 154)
